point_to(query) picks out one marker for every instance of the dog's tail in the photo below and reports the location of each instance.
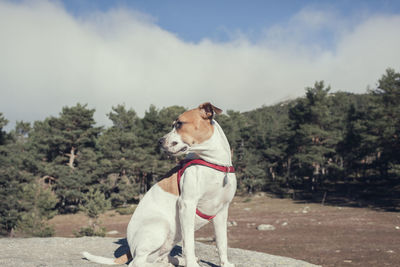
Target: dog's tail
(103, 260)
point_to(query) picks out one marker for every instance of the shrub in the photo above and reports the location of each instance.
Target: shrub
(91, 231)
(33, 225)
(126, 210)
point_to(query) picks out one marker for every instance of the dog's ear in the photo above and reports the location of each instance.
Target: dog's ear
(208, 110)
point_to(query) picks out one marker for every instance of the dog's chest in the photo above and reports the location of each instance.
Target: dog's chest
(218, 189)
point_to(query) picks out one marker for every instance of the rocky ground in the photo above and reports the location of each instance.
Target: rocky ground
(67, 252)
(348, 234)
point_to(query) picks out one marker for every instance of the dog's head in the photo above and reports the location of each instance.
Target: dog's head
(191, 127)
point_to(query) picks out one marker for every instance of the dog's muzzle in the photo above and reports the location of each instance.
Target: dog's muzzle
(172, 148)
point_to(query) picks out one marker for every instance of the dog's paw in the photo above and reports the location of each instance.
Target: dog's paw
(228, 264)
(177, 260)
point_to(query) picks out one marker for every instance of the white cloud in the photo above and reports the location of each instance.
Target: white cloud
(50, 59)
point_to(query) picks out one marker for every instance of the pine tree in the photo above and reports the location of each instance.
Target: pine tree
(24, 204)
(11, 180)
(312, 143)
(236, 130)
(65, 147)
(94, 203)
(9, 193)
(387, 124)
(38, 206)
(3, 134)
(120, 149)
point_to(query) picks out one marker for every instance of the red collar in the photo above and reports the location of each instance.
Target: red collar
(185, 164)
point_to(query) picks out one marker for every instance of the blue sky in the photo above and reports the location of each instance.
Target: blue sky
(239, 55)
(195, 20)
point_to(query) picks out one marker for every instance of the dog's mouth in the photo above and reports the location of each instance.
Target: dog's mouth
(183, 149)
(175, 153)
(180, 151)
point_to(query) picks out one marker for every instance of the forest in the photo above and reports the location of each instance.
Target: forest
(327, 147)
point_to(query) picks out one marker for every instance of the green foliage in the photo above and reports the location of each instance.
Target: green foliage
(3, 134)
(311, 142)
(371, 144)
(24, 204)
(65, 148)
(386, 127)
(91, 231)
(31, 224)
(126, 210)
(94, 203)
(120, 149)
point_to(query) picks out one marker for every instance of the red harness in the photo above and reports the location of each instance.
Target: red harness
(201, 162)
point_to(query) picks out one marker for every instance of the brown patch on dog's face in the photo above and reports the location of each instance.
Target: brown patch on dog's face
(194, 127)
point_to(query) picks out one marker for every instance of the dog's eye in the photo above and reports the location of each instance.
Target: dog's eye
(178, 125)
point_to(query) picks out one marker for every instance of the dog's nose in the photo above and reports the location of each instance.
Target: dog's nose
(161, 141)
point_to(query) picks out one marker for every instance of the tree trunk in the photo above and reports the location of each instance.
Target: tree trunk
(289, 165)
(72, 157)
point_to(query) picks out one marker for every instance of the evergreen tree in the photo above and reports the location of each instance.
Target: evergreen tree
(359, 146)
(387, 124)
(94, 203)
(24, 204)
(236, 130)
(38, 206)
(9, 188)
(65, 146)
(120, 149)
(312, 144)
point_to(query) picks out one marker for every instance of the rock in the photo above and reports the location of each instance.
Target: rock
(306, 210)
(265, 227)
(113, 232)
(231, 223)
(63, 252)
(284, 224)
(260, 194)
(205, 239)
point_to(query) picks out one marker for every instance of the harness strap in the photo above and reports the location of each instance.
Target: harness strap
(201, 162)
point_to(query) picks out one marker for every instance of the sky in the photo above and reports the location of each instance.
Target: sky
(238, 55)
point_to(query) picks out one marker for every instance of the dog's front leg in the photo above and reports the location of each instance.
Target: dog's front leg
(220, 228)
(187, 212)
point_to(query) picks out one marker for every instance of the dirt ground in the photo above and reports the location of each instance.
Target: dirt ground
(323, 235)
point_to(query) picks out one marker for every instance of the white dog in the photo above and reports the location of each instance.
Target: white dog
(180, 204)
